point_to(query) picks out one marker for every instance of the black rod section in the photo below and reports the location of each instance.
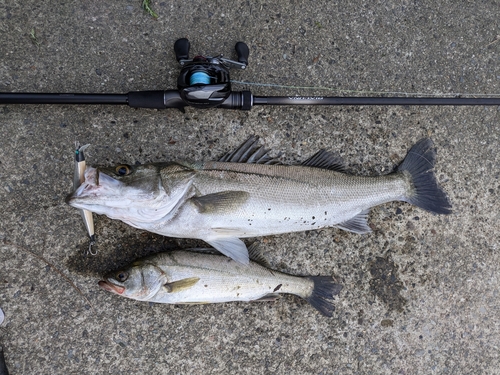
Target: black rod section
(320, 100)
(34, 98)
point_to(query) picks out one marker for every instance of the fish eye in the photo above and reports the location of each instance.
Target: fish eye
(122, 276)
(122, 170)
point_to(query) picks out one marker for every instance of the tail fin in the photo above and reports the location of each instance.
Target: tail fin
(427, 194)
(324, 289)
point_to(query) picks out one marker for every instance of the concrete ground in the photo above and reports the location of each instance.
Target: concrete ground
(421, 293)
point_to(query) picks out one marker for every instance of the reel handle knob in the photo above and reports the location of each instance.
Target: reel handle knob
(181, 48)
(242, 52)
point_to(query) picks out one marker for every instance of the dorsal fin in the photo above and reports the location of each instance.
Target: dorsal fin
(256, 256)
(326, 160)
(249, 152)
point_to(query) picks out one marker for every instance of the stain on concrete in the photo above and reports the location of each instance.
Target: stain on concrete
(385, 283)
(117, 252)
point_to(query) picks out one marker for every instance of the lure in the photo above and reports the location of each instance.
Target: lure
(79, 178)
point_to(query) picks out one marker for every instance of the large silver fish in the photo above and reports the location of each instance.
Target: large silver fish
(246, 195)
(184, 277)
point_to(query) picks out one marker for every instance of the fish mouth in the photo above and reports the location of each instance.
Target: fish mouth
(95, 185)
(106, 285)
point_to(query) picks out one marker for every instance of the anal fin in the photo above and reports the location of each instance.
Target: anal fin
(271, 297)
(357, 224)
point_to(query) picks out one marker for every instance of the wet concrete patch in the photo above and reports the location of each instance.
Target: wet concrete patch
(385, 283)
(118, 252)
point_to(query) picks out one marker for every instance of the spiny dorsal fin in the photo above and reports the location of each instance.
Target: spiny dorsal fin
(180, 285)
(249, 152)
(256, 256)
(221, 201)
(326, 160)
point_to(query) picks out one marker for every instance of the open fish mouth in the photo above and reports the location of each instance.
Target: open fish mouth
(106, 285)
(95, 184)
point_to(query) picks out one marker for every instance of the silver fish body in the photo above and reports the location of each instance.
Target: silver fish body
(221, 202)
(184, 277)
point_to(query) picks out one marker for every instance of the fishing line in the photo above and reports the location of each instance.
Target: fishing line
(364, 92)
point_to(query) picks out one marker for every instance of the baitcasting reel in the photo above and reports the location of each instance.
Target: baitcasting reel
(204, 81)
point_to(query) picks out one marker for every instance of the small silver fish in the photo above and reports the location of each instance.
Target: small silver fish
(186, 277)
(246, 194)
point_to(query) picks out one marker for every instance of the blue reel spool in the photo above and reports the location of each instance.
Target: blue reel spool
(199, 78)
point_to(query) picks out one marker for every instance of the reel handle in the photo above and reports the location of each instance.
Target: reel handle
(242, 52)
(181, 48)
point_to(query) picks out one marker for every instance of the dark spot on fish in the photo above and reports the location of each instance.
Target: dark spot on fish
(269, 209)
(277, 288)
(205, 285)
(313, 223)
(399, 211)
(326, 213)
(314, 217)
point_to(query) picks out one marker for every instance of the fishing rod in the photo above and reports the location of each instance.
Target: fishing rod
(204, 83)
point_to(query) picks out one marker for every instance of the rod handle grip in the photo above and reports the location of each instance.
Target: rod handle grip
(146, 99)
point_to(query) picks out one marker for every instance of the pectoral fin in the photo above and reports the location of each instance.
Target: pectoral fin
(180, 285)
(232, 247)
(223, 201)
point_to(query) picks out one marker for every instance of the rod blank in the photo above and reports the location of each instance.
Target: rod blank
(318, 100)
